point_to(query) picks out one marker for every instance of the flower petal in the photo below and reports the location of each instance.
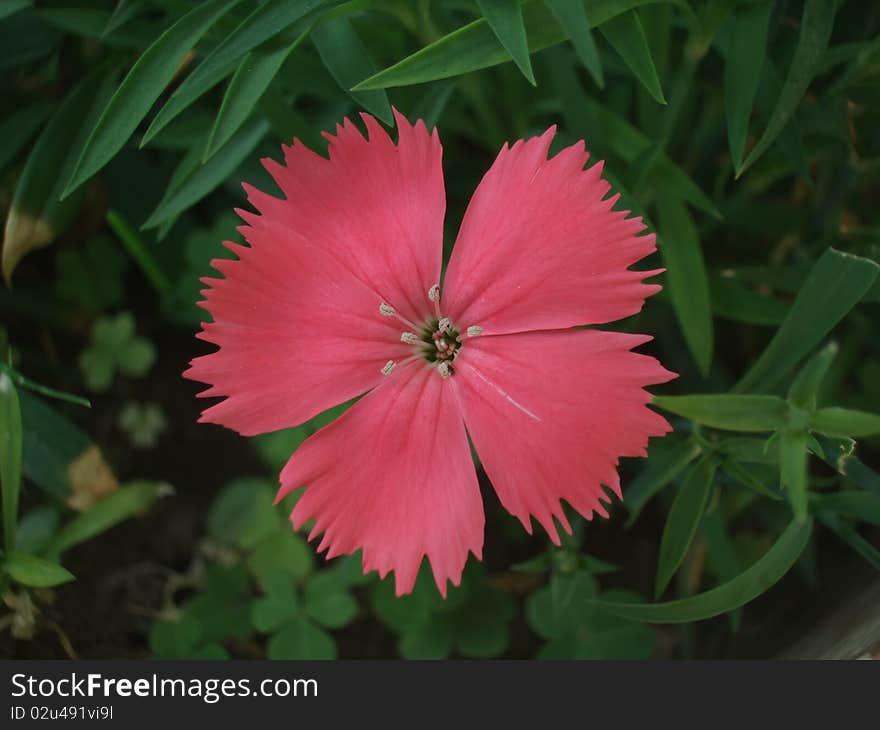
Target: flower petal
(539, 248)
(550, 413)
(393, 475)
(377, 206)
(297, 334)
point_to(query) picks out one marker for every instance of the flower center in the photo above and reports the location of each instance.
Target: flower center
(437, 341)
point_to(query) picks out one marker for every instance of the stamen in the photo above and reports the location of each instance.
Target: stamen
(389, 366)
(434, 296)
(444, 324)
(444, 369)
(409, 338)
(386, 310)
(474, 330)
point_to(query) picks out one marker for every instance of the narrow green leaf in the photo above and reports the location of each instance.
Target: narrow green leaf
(265, 22)
(728, 412)
(804, 389)
(663, 465)
(36, 216)
(747, 586)
(10, 457)
(721, 553)
(347, 60)
(206, 178)
(816, 25)
(838, 453)
(505, 19)
(127, 501)
(124, 11)
(626, 36)
(734, 300)
(13, 6)
(35, 572)
(852, 538)
(688, 282)
(17, 129)
(475, 46)
(793, 469)
(138, 251)
(139, 90)
(845, 422)
(28, 384)
(572, 18)
(835, 284)
(247, 86)
(742, 71)
(850, 503)
(684, 520)
(629, 144)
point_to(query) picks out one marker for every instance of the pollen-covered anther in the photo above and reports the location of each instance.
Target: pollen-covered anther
(409, 338)
(434, 293)
(444, 369)
(474, 330)
(444, 324)
(388, 367)
(386, 310)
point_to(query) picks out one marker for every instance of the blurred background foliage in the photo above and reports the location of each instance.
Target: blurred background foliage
(747, 132)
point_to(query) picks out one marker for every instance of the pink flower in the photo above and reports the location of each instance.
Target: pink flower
(338, 295)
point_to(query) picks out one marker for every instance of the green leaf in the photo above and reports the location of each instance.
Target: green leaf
(733, 300)
(684, 520)
(36, 528)
(630, 144)
(248, 84)
(284, 551)
(124, 11)
(572, 18)
(804, 389)
(35, 572)
(852, 538)
(278, 607)
(475, 46)
(666, 461)
(853, 504)
(844, 422)
(816, 25)
(626, 36)
(728, 412)
(328, 602)
(10, 457)
(36, 216)
(747, 586)
(686, 275)
(301, 639)
(347, 60)
(129, 500)
(505, 19)
(134, 244)
(13, 6)
(175, 639)
(265, 22)
(742, 71)
(52, 443)
(138, 91)
(243, 514)
(205, 179)
(793, 469)
(835, 284)
(17, 129)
